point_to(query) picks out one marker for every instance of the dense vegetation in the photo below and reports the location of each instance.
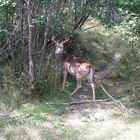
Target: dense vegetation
(26, 28)
(105, 32)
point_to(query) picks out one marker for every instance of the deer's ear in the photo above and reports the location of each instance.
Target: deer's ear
(66, 40)
(53, 39)
(61, 44)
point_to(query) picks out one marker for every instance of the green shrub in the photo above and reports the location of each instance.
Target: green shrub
(49, 87)
(128, 66)
(10, 91)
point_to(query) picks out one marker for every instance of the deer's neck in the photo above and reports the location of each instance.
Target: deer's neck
(60, 58)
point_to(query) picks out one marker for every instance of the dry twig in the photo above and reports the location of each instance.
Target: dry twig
(112, 97)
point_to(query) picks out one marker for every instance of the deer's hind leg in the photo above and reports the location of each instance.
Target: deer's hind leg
(91, 82)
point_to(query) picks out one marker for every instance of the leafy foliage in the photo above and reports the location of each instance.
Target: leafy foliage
(128, 66)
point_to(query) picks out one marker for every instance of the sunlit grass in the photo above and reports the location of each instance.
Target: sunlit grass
(68, 133)
(135, 105)
(44, 120)
(44, 107)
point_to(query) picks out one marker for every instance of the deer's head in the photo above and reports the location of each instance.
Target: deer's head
(59, 45)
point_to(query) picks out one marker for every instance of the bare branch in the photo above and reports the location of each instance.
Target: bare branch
(113, 98)
(3, 4)
(13, 34)
(92, 27)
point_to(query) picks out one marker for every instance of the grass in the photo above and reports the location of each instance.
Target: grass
(49, 120)
(40, 118)
(135, 105)
(42, 108)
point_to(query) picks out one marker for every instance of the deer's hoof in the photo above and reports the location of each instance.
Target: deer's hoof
(71, 94)
(93, 99)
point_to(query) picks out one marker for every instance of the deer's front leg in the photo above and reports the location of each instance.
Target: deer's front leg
(78, 79)
(65, 73)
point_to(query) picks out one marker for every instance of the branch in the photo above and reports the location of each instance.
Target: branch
(83, 17)
(91, 27)
(7, 117)
(13, 34)
(88, 101)
(2, 50)
(84, 20)
(3, 4)
(112, 97)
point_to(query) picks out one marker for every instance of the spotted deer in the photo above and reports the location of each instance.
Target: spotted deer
(76, 66)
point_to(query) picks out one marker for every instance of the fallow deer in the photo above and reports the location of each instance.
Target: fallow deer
(76, 66)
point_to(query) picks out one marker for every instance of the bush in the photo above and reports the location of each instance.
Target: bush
(128, 66)
(10, 89)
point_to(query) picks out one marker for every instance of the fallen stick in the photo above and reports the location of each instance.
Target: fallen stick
(16, 118)
(112, 97)
(88, 101)
(51, 103)
(80, 102)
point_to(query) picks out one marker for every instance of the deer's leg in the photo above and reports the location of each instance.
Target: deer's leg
(90, 80)
(65, 73)
(78, 79)
(93, 90)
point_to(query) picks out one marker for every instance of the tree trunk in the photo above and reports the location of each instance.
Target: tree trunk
(30, 42)
(43, 49)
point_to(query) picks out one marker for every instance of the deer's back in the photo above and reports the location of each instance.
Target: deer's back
(76, 65)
